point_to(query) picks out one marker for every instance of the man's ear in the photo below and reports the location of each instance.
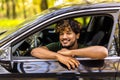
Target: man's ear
(78, 35)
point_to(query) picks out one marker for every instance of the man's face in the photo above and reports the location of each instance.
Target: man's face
(68, 38)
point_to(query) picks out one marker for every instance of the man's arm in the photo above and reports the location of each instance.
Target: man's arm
(44, 53)
(96, 52)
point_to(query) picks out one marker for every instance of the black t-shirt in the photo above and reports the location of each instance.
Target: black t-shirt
(56, 46)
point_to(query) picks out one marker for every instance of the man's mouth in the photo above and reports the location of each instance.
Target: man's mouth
(65, 41)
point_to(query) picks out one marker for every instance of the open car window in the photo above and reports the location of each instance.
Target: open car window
(96, 30)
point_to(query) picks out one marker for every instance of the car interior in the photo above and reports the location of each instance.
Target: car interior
(95, 30)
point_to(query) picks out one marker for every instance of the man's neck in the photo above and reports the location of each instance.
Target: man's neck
(74, 47)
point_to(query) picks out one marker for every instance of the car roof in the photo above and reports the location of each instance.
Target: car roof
(57, 10)
(88, 5)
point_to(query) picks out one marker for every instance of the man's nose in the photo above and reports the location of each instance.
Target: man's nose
(64, 35)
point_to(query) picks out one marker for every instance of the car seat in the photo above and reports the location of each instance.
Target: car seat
(102, 28)
(49, 36)
(96, 38)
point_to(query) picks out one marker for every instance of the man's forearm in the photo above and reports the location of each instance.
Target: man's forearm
(43, 53)
(97, 52)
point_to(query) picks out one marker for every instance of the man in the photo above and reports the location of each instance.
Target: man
(68, 46)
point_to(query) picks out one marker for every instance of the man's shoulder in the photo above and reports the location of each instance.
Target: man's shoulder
(53, 44)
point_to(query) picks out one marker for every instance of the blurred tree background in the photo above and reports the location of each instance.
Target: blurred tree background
(13, 12)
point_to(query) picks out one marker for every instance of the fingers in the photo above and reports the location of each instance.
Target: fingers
(72, 63)
(68, 66)
(75, 63)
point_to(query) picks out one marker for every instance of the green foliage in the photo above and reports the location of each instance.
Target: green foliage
(8, 25)
(5, 23)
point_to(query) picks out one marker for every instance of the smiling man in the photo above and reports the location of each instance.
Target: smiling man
(68, 46)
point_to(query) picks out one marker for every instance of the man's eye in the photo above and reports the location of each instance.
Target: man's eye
(69, 33)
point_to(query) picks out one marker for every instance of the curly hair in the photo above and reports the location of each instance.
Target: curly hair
(69, 23)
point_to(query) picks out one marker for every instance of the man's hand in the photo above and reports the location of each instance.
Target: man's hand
(70, 62)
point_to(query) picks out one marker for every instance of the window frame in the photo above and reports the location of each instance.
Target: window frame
(91, 13)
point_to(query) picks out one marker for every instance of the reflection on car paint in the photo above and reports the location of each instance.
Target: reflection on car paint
(56, 67)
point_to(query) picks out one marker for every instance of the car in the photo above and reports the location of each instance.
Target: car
(100, 26)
